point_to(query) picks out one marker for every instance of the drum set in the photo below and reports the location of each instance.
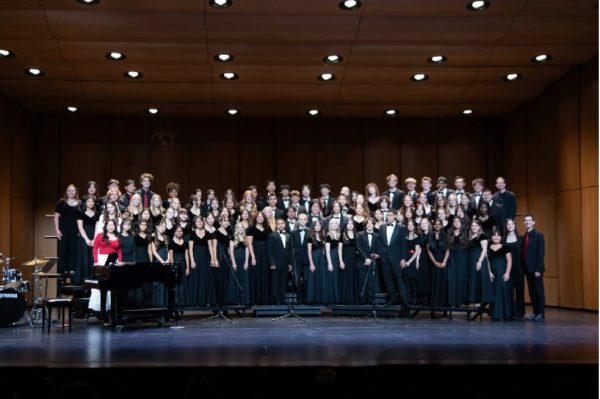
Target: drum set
(13, 304)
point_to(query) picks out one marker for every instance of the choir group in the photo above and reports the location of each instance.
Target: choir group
(440, 248)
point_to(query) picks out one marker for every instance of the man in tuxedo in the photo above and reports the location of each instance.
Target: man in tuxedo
(315, 213)
(533, 265)
(305, 201)
(261, 202)
(285, 201)
(369, 249)
(411, 184)
(290, 222)
(144, 192)
(112, 184)
(326, 199)
(426, 187)
(395, 195)
(129, 191)
(295, 203)
(345, 210)
(272, 203)
(505, 204)
(478, 185)
(459, 184)
(279, 249)
(393, 238)
(205, 207)
(442, 187)
(301, 267)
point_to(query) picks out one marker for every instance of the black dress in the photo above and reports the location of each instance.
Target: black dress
(128, 248)
(424, 272)
(237, 296)
(179, 258)
(410, 273)
(439, 276)
(141, 255)
(221, 273)
(517, 275)
(259, 274)
(67, 245)
(458, 273)
(503, 305)
(159, 292)
(488, 225)
(347, 281)
(480, 285)
(314, 281)
(331, 291)
(85, 259)
(203, 287)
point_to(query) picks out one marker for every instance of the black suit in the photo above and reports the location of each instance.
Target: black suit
(396, 200)
(414, 195)
(298, 209)
(124, 199)
(446, 193)
(281, 204)
(305, 204)
(327, 205)
(430, 197)
(301, 267)
(366, 275)
(281, 258)
(533, 261)
(505, 207)
(474, 204)
(393, 254)
(147, 193)
(290, 226)
(311, 220)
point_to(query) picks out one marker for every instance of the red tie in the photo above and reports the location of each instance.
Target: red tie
(145, 199)
(525, 245)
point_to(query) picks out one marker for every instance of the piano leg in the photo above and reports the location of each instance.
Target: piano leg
(113, 307)
(103, 305)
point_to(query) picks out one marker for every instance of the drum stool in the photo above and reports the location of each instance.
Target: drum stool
(58, 303)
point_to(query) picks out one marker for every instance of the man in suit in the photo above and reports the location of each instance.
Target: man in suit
(261, 202)
(279, 249)
(129, 191)
(285, 201)
(459, 184)
(426, 186)
(301, 267)
(144, 191)
(505, 204)
(113, 184)
(315, 213)
(411, 184)
(533, 265)
(395, 195)
(205, 207)
(326, 199)
(295, 198)
(290, 222)
(442, 187)
(369, 249)
(478, 185)
(272, 203)
(393, 238)
(305, 201)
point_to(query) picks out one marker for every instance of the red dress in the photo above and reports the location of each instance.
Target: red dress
(106, 248)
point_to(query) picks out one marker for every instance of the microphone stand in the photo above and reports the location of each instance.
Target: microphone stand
(291, 312)
(371, 272)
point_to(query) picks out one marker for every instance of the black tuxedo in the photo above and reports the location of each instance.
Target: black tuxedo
(393, 253)
(533, 253)
(311, 217)
(414, 195)
(327, 205)
(298, 209)
(142, 193)
(288, 228)
(474, 204)
(430, 197)
(505, 207)
(365, 272)
(445, 193)
(305, 204)
(281, 204)
(262, 202)
(281, 258)
(301, 267)
(396, 200)
(124, 199)
(459, 195)
(327, 219)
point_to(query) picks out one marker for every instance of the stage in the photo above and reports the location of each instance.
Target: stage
(327, 349)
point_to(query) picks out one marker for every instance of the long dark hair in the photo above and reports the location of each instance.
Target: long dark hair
(313, 235)
(105, 232)
(464, 237)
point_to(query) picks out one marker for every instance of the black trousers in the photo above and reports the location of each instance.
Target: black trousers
(298, 280)
(394, 282)
(279, 278)
(518, 280)
(367, 280)
(536, 293)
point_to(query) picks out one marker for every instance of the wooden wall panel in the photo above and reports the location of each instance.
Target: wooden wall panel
(339, 155)
(588, 120)
(522, 209)
(493, 153)
(381, 151)
(6, 110)
(418, 149)
(130, 149)
(45, 158)
(169, 152)
(569, 248)
(22, 230)
(551, 290)
(84, 152)
(257, 153)
(6, 218)
(22, 160)
(589, 244)
(515, 153)
(543, 207)
(295, 153)
(214, 156)
(43, 226)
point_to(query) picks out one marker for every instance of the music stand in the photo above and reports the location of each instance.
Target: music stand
(371, 272)
(290, 301)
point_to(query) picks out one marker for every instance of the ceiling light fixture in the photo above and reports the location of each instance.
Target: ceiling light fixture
(220, 3)
(391, 112)
(478, 5)
(326, 76)
(115, 56)
(229, 76)
(232, 112)
(333, 59)
(72, 108)
(313, 112)
(468, 111)
(511, 77)
(224, 57)
(6, 53)
(437, 59)
(350, 4)
(152, 111)
(419, 77)
(88, 2)
(541, 58)
(133, 75)
(34, 72)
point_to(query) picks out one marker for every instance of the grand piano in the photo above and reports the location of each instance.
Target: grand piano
(119, 278)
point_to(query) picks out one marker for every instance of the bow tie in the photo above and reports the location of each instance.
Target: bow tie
(369, 234)
(282, 233)
(477, 195)
(460, 192)
(301, 228)
(391, 225)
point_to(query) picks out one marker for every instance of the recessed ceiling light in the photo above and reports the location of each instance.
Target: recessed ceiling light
(313, 112)
(224, 57)
(350, 4)
(326, 76)
(115, 56)
(72, 108)
(468, 111)
(511, 77)
(333, 59)
(220, 3)
(232, 112)
(391, 112)
(133, 75)
(541, 58)
(88, 2)
(229, 76)
(152, 111)
(35, 72)
(437, 59)
(6, 53)
(419, 77)
(478, 5)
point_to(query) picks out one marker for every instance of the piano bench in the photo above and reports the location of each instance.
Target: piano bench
(57, 303)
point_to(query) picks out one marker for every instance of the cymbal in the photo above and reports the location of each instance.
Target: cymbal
(35, 262)
(49, 275)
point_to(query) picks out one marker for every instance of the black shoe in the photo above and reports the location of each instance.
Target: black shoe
(539, 317)
(530, 317)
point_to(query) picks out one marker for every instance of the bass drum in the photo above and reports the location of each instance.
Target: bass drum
(12, 306)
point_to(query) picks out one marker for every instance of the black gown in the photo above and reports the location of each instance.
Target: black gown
(331, 291)
(410, 273)
(439, 277)
(487, 225)
(67, 245)
(480, 285)
(314, 282)
(259, 274)
(85, 258)
(503, 305)
(235, 295)
(179, 258)
(458, 273)
(424, 272)
(159, 292)
(203, 286)
(221, 274)
(517, 275)
(141, 255)
(347, 281)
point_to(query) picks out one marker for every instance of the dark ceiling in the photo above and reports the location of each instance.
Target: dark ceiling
(278, 48)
